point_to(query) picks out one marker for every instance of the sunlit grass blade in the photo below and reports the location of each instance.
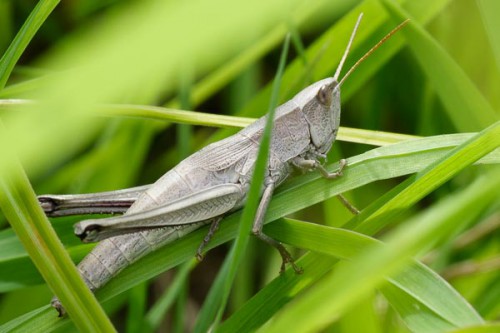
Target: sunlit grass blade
(376, 138)
(215, 304)
(99, 75)
(19, 204)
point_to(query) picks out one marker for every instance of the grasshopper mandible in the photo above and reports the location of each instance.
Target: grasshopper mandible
(206, 185)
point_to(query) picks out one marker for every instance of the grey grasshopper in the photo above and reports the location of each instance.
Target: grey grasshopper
(204, 187)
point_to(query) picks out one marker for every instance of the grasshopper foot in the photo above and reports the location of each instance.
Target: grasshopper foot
(213, 228)
(289, 260)
(285, 255)
(56, 304)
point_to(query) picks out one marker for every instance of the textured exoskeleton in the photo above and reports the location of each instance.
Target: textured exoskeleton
(202, 188)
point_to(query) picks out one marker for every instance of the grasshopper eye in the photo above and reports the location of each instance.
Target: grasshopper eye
(324, 95)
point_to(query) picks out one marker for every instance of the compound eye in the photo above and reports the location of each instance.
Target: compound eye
(324, 95)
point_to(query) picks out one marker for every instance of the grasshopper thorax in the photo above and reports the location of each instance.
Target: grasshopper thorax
(320, 104)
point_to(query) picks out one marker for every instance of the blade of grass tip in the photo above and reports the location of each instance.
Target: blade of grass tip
(20, 206)
(34, 21)
(219, 293)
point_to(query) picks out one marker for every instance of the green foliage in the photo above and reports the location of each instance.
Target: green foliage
(92, 109)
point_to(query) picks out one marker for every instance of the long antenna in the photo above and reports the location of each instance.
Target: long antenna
(346, 52)
(367, 54)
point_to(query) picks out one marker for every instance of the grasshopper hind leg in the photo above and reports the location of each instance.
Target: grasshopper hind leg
(257, 230)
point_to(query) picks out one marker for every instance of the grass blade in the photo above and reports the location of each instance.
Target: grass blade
(351, 282)
(417, 282)
(380, 163)
(35, 20)
(466, 106)
(219, 293)
(20, 206)
(378, 215)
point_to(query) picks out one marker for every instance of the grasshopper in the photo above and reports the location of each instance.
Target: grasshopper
(207, 185)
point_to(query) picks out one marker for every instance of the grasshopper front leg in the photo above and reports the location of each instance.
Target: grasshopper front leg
(315, 165)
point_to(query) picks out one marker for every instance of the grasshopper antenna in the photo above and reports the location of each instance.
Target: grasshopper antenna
(346, 52)
(367, 54)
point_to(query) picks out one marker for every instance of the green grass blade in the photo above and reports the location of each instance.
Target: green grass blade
(20, 206)
(35, 20)
(416, 187)
(219, 294)
(158, 311)
(98, 77)
(369, 137)
(380, 163)
(377, 164)
(486, 328)
(417, 283)
(351, 282)
(466, 106)
(416, 316)
(136, 308)
(489, 11)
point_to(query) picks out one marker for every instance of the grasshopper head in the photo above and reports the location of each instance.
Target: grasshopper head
(320, 104)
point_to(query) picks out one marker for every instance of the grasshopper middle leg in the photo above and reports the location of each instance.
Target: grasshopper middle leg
(213, 229)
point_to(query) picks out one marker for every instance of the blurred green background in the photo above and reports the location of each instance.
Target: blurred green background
(220, 58)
